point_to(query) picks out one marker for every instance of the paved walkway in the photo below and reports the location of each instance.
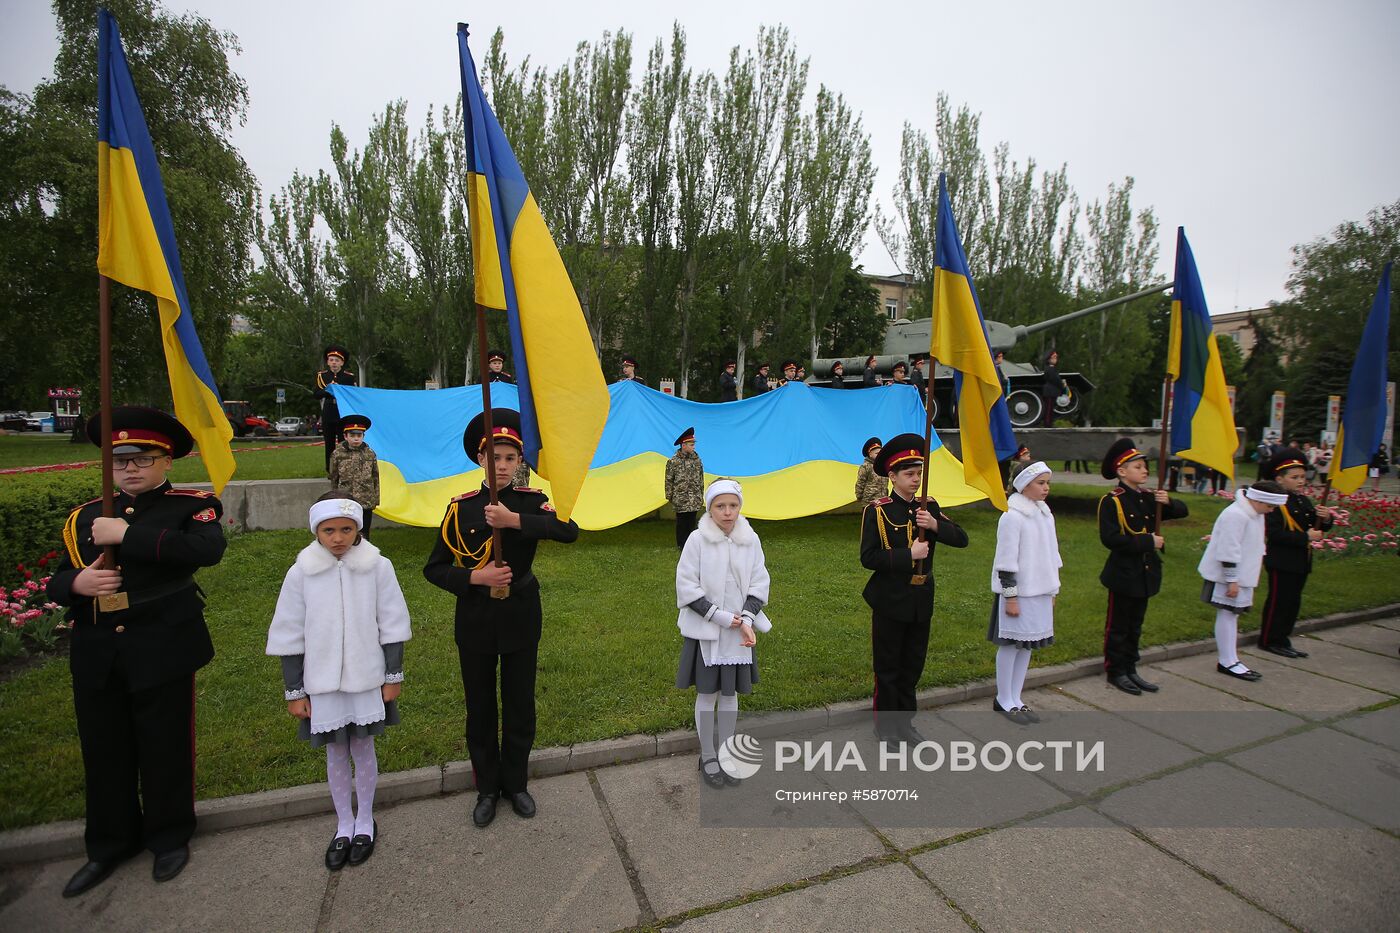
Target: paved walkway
(634, 845)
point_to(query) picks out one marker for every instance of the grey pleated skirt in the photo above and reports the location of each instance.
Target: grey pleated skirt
(352, 731)
(727, 679)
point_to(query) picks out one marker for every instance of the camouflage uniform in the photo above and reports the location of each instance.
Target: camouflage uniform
(521, 476)
(357, 472)
(685, 488)
(869, 485)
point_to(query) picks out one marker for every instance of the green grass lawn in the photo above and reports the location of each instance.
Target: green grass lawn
(609, 653)
(285, 459)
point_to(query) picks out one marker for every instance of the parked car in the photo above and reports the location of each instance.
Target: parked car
(34, 421)
(291, 425)
(244, 422)
(13, 421)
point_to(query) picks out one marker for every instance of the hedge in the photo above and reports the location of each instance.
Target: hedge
(33, 508)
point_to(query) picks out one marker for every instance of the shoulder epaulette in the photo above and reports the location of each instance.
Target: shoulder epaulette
(885, 501)
(79, 508)
(528, 489)
(1116, 491)
(465, 495)
(197, 493)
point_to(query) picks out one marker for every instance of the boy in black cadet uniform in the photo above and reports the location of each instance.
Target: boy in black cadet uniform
(492, 631)
(496, 364)
(133, 667)
(1133, 571)
(629, 371)
(759, 383)
(789, 373)
(900, 589)
(728, 385)
(335, 373)
(1288, 536)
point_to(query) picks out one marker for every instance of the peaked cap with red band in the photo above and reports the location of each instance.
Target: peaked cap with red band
(505, 429)
(1123, 451)
(900, 451)
(136, 429)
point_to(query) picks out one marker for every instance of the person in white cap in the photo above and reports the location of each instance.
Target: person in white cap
(1231, 565)
(721, 589)
(1025, 581)
(339, 628)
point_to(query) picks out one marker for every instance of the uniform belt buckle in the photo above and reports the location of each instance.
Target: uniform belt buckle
(500, 592)
(113, 602)
(918, 579)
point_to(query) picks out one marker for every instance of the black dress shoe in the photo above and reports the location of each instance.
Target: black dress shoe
(715, 779)
(908, 733)
(1297, 652)
(90, 876)
(1015, 715)
(169, 864)
(1136, 678)
(485, 810)
(1030, 714)
(1125, 683)
(362, 846)
(1245, 674)
(337, 853)
(1281, 650)
(523, 804)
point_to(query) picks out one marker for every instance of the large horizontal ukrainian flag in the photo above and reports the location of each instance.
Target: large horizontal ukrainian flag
(136, 246)
(795, 450)
(563, 397)
(1202, 422)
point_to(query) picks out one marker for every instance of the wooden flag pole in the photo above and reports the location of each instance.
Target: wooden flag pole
(919, 576)
(114, 601)
(488, 432)
(1162, 446)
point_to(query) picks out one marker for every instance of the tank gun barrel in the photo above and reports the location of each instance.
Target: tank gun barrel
(1025, 330)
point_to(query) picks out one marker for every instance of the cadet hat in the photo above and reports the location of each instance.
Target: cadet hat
(872, 442)
(902, 450)
(687, 435)
(354, 423)
(494, 355)
(629, 361)
(900, 365)
(336, 349)
(505, 428)
(762, 366)
(1120, 453)
(136, 430)
(1285, 459)
(789, 364)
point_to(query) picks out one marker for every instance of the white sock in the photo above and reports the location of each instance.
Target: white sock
(1018, 677)
(366, 779)
(727, 719)
(1008, 695)
(1226, 635)
(338, 776)
(705, 723)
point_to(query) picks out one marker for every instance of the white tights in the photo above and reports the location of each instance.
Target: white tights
(1013, 662)
(338, 756)
(706, 720)
(1226, 636)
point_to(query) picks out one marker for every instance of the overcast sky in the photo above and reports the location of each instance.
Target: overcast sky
(1257, 125)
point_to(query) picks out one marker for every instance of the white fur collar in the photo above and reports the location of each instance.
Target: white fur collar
(315, 559)
(1019, 503)
(742, 534)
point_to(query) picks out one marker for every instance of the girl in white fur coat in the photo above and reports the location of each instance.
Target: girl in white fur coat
(1026, 580)
(339, 627)
(1230, 567)
(721, 589)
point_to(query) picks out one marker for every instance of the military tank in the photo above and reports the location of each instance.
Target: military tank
(905, 340)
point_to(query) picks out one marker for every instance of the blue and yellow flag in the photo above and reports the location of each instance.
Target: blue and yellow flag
(960, 341)
(1202, 424)
(1364, 408)
(136, 246)
(563, 400)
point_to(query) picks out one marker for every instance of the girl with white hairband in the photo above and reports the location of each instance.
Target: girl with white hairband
(721, 589)
(1230, 567)
(339, 628)
(1026, 580)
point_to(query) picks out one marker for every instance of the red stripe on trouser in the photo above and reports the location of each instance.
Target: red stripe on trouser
(1107, 624)
(1272, 606)
(875, 701)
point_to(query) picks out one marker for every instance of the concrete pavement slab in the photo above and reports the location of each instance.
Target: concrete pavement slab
(683, 864)
(1077, 871)
(1284, 686)
(260, 878)
(1197, 716)
(893, 894)
(1352, 665)
(1324, 872)
(1382, 725)
(1350, 774)
(433, 870)
(1366, 636)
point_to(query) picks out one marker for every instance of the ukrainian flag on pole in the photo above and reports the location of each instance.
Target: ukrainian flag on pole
(1364, 409)
(136, 246)
(564, 400)
(1202, 424)
(960, 341)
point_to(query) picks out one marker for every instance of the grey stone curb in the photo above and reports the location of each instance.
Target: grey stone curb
(65, 839)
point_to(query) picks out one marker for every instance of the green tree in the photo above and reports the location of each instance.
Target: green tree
(1262, 375)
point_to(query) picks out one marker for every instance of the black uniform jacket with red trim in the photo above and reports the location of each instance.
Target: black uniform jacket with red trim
(1287, 548)
(888, 591)
(1127, 520)
(172, 533)
(485, 624)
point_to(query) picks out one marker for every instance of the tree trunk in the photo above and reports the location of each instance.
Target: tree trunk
(739, 369)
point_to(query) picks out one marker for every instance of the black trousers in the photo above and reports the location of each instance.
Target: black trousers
(369, 520)
(1122, 632)
(898, 649)
(138, 764)
(1281, 608)
(685, 524)
(500, 766)
(330, 431)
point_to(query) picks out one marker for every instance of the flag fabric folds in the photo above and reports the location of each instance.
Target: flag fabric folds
(136, 246)
(1202, 423)
(960, 341)
(563, 395)
(1364, 408)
